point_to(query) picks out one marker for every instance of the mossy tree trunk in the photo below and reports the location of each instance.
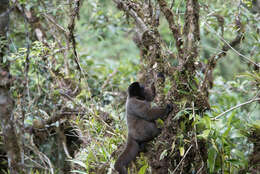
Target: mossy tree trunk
(177, 149)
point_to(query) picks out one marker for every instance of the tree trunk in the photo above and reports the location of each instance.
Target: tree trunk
(156, 65)
(177, 149)
(6, 102)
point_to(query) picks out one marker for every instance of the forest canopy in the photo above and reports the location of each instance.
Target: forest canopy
(65, 67)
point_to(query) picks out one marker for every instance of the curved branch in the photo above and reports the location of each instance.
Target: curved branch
(173, 26)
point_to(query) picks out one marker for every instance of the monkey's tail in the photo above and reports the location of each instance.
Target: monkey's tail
(128, 155)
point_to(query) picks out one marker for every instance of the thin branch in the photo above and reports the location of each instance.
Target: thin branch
(231, 47)
(71, 37)
(182, 159)
(41, 155)
(35, 162)
(140, 23)
(50, 19)
(257, 95)
(157, 15)
(172, 4)
(200, 168)
(235, 107)
(213, 59)
(109, 78)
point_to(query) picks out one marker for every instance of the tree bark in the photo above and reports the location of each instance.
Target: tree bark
(6, 103)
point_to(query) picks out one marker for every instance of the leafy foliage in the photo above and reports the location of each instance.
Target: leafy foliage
(47, 84)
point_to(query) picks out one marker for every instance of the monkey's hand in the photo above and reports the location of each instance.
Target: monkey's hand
(161, 76)
(169, 109)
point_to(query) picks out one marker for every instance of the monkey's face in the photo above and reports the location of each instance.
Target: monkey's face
(136, 90)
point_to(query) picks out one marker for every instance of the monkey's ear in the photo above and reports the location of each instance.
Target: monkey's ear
(134, 89)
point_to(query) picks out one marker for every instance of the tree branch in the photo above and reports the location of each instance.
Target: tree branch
(235, 107)
(139, 22)
(173, 26)
(213, 60)
(71, 37)
(182, 159)
(191, 29)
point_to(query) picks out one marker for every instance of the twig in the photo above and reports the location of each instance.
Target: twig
(257, 94)
(35, 162)
(200, 168)
(140, 23)
(41, 155)
(182, 159)
(49, 18)
(235, 107)
(172, 4)
(231, 47)
(157, 16)
(109, 78)
(71, 37)
(193, 116)
(213, 59)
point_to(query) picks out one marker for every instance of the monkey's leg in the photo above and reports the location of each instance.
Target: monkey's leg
(129, 154)
(152, 132)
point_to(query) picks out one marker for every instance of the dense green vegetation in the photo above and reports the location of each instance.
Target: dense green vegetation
(90, 99)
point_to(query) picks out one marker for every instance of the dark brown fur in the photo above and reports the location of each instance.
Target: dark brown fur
(141, 123)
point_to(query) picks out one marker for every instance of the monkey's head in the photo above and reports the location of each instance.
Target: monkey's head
(136, 90)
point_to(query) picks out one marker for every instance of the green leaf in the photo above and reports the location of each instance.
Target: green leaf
(204, 134)
(225, 134)
(143, 169)
(80, 163)
(181, 151)
(212, 154)
(78, 171)
(235, 162)
(207, 122)
(256, 124)
(173, 146)
(163, 154)
(180, 113)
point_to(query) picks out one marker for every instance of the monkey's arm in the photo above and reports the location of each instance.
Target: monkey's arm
(143, 110)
